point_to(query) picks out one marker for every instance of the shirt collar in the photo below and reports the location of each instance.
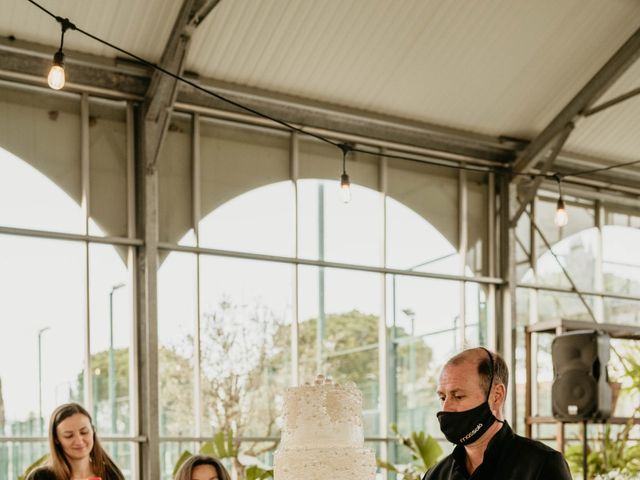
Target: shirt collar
(491, 454)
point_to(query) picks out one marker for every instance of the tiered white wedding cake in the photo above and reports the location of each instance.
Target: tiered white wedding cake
(322, 435)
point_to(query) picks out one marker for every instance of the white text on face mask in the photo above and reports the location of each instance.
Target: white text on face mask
(471, 433)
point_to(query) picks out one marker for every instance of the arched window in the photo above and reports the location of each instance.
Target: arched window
(258, 267)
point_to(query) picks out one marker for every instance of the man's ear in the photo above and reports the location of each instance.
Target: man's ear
(499, 393)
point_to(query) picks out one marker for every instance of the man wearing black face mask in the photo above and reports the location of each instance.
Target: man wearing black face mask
(472, 389)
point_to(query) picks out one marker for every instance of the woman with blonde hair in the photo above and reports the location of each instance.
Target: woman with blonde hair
(75, 451)
(202, 467)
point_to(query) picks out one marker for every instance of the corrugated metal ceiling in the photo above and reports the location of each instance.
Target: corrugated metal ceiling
(497, 67)
(142, 27)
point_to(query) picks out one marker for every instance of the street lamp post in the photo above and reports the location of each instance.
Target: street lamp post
(112, 361)
(40, 419)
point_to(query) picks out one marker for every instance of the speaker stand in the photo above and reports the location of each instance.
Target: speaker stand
(585, 451)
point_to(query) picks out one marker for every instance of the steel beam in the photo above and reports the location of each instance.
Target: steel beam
(590, 93)
(349, 121)
(506, 318)
(161, 94)
(153, 120)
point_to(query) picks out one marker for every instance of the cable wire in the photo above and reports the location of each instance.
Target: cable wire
(66, 24)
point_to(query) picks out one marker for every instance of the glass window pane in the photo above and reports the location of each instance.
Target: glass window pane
(259, 221)
(477, 223)
(623, 312)
(177, 313)
(245, 344)
(121, 453)
(621, 260)
(566, 306)
(339, 232)
(424, 306)
(523, 297)
(621, 216)
(175, 183)
(170, 453)
(544, 379)
(111, 327)
(338, 331)
(577, 254)
(417, 364)
(523, 249)
(581, 217)
(476, 315)
(246, 197)
(42, 300)
(16, 457)
(39, 174)
(422, 218)
(108, 168)
(423, 318)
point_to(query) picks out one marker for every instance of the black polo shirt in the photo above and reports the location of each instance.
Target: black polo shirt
(508, 457)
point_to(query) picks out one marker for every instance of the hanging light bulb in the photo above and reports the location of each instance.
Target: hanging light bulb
(345, 188)
(561, 217)
(56, 77)
(345, 184)
(56, 74)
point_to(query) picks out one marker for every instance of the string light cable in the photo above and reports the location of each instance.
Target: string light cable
(184, 80)
(66, 24)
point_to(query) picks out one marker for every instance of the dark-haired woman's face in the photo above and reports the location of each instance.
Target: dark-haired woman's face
(204, 472)
(75, 435)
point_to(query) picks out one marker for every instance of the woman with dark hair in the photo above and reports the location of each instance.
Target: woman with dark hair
(75, 452)
(202, 467)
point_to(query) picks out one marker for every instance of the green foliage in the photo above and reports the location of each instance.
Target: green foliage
(254, 472)
(41, 461)
(611, 453)
(184, 456)
(221, 446)
(100, 373)
(343, 332)
(224, 446)
(631, 361)
(614, 452)
(424, 450)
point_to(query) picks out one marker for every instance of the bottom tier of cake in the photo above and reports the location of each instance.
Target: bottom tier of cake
(325, 463)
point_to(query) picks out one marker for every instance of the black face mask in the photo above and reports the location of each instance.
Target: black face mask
(464, 428)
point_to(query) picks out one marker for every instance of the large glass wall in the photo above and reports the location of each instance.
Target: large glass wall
(65, 299)
(285, 281)
(266, 278)
(596, 255)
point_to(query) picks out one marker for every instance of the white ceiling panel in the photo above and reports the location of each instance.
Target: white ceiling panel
(139, 26)
(613, 133)
(499, 67)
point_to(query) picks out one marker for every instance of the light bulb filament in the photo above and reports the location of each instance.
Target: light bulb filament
(345, 188)
(561, 218)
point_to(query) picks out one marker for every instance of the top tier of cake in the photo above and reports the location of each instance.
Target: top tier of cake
(324, 414)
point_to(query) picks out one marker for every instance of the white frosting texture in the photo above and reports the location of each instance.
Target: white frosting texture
(322, 435)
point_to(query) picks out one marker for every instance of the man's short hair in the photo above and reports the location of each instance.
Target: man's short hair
(501, 371)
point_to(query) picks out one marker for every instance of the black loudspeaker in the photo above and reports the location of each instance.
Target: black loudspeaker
(580, 388)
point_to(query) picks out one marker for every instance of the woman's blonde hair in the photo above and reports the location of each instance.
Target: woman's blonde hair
(185, 470)
(102, 464)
